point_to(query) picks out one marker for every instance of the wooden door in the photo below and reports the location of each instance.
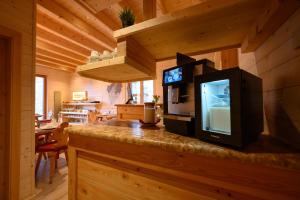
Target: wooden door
(4, 117)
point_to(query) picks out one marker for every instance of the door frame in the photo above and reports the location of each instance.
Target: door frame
(14, 39)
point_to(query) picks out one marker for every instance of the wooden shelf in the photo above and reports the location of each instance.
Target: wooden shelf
(119, 69)
(210, 26)
(132, 63)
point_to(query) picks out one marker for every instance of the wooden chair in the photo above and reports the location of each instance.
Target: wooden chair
(57, 143)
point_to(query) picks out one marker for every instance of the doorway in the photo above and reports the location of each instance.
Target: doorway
(10, 113)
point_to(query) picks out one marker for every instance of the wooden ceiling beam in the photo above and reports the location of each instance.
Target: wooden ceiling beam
(97, 5)
(58, 57)
(113, 22)
(171, 5)
(67, 18)
(55, 27)
(50, 47)
(40, 63)
(149, 9)
(161, 5)
(58, 62)
(38, 60)
(44, 35)
(274, 15)
(82, 12)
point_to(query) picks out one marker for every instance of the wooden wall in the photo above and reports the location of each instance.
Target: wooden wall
(278, 63)
(18, 15)
(3, 120)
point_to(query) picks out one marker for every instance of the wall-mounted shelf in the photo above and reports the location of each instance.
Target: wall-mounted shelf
(119, 69)
(132, 63)
(210, 26)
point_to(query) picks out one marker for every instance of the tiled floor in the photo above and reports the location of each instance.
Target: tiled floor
(58, 190)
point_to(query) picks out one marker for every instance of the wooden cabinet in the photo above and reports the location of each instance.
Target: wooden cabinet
(130, 111)
(100, 168)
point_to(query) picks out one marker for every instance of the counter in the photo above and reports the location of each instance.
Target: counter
(130, 111)
(184, 166)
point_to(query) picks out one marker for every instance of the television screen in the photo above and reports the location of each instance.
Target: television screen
(174, 75)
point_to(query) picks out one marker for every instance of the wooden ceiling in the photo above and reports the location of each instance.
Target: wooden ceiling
(67, 30)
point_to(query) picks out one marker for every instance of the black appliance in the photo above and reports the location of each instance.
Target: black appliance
(228, 107)
(178, 93)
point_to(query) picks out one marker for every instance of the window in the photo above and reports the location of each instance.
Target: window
(40, 94)
(142, 91)
(148, 90)
(136, 91)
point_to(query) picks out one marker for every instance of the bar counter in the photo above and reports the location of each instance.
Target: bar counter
(117, 153)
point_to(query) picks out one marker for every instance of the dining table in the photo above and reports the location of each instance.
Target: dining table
(44, 131)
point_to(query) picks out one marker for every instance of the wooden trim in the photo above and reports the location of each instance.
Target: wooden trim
(14, 107)
(45, 93)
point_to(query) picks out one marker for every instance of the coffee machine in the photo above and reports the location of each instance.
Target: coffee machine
(178, 93)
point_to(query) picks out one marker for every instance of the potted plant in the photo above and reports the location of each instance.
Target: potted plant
(127, 17)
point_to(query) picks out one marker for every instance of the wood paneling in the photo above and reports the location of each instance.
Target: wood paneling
(229, 58)
(4, 117)
(57, 12)
(122, 168)
(275, 14)
(66, 33)
(149, 9)
(79, 10)
(130, 112)
(49, 37)
(55, 56)
(117, 184)
(278, 64)
(17, 21)
(42, 44)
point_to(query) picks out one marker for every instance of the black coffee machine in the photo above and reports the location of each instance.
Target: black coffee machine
(178, 93)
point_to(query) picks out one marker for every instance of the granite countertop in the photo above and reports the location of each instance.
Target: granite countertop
(266, 151)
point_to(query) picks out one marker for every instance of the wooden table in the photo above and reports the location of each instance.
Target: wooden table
(43, 132)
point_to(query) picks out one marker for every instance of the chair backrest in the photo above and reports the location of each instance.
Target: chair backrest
(59, 135)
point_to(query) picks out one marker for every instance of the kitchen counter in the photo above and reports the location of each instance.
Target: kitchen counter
(130, 111)
(266, 151)
(117, 157)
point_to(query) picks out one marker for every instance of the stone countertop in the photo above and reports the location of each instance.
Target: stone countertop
(266, 151)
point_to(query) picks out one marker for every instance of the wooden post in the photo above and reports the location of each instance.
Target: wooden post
(149, 9)
(229, 58)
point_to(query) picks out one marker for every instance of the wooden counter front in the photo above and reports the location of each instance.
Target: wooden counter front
(104, 163)
(130, 111)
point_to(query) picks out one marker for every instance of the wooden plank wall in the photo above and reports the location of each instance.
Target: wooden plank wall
(18, 15)
(3, 121)
(278, 63)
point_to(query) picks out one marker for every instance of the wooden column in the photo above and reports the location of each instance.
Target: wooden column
(149, 9)
(229, 58)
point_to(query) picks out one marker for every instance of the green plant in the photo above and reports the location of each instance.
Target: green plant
(156, 98)
(127, 17)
